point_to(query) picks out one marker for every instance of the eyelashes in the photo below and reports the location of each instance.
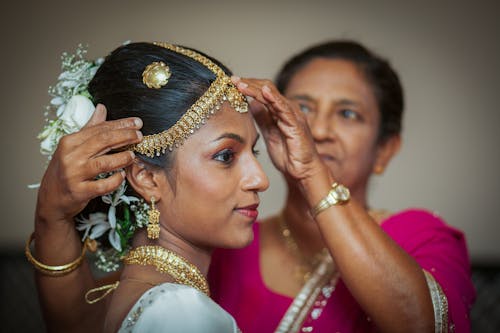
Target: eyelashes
(227, 156)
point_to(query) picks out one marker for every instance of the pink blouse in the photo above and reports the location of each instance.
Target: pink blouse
(236, 282)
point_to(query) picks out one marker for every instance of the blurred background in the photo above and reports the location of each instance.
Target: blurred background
(447, 55)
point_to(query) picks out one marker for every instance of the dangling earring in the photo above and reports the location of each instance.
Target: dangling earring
(154, 221)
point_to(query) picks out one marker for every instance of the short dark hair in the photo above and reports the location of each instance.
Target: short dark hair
(378, 71)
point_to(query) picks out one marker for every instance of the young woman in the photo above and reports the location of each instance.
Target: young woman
(194, 163)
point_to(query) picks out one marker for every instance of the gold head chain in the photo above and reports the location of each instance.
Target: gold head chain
(156, 75)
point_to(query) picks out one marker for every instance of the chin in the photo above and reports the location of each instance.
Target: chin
(241, 240)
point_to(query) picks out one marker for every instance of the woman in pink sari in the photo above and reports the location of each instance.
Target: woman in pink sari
(404, 272)
(328, 262)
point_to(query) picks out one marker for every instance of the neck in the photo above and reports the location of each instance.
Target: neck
(195, 255)
(302, 226)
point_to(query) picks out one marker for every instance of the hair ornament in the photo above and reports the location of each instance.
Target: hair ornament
(221, 90)
(156, 75)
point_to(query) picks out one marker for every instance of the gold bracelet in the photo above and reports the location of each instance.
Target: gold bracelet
(59, 270)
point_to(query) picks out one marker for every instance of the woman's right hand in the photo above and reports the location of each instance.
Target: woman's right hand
(69, 182)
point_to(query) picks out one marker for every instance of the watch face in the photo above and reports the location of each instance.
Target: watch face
(342, 193)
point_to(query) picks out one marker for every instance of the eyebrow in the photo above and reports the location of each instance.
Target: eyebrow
(235, 137)
(347, 102)
(232, 136)
(303, 97)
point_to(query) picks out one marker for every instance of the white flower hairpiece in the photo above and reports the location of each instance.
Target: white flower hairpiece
(70, 109)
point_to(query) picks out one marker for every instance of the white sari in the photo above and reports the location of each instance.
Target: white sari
(171, 307)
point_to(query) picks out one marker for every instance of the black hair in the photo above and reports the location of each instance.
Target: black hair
(378, 71)
(118, 85)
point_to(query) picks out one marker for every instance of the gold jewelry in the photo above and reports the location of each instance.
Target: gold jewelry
(338, 195)
(378, 169)
(106, 288)
(306, 265)
(222, 89)
(59, 270)
(154, 221)
(156, 75)
(168, 262)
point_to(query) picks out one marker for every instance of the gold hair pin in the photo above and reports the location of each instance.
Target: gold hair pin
(156, 75)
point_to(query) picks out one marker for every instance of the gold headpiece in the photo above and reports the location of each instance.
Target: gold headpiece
(222, 89)
(156, 75)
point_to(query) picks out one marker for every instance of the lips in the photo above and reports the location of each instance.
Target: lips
(249, 211)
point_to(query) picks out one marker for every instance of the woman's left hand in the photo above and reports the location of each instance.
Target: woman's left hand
(288, 139)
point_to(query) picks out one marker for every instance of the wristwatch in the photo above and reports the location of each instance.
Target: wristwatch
(338, 195)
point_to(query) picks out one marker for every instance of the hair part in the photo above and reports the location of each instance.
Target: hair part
(379, 73)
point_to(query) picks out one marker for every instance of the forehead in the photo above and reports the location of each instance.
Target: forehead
(334, 78)
(226, 120)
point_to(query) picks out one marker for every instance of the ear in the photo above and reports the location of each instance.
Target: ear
(146, 181)
(385, 152)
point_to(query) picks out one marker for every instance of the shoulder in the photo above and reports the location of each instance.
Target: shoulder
(427, 238)
(419, 222)
(172, 307)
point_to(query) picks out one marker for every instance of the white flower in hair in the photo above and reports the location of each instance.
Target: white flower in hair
(97, 225)
(77, 112)
(114, 199)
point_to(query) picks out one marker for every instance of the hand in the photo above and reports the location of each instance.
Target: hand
(284, 127)
(69, 181)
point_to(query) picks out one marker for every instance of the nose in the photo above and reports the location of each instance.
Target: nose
(255, 179)
(322, 128)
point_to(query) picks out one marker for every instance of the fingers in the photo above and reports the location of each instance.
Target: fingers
(282, 110)
(104, 141)
(107, 163)
(100, 187)
(101, 138)
(252, 87)
(98, 116)
(87, 132)
(262, 117)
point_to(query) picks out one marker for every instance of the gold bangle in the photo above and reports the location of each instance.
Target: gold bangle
(59, 270)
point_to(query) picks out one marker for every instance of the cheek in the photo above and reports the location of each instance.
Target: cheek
(205, 186)
(361, 146)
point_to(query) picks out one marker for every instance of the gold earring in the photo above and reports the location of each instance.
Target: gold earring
(154, 221)
(379, 169)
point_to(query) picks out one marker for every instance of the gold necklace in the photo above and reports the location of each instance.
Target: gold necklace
(168, 262)
(306, 265)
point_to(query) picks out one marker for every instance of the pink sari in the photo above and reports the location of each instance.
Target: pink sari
(237, 285)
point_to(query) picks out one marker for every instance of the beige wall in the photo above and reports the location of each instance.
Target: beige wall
(447, 56)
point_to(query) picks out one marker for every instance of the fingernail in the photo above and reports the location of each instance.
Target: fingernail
(132, 154)
(242, 85)
(266, 89)
(139, 163)
(235, 79)
(122, 172)
(139, 134)
(138, 122)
